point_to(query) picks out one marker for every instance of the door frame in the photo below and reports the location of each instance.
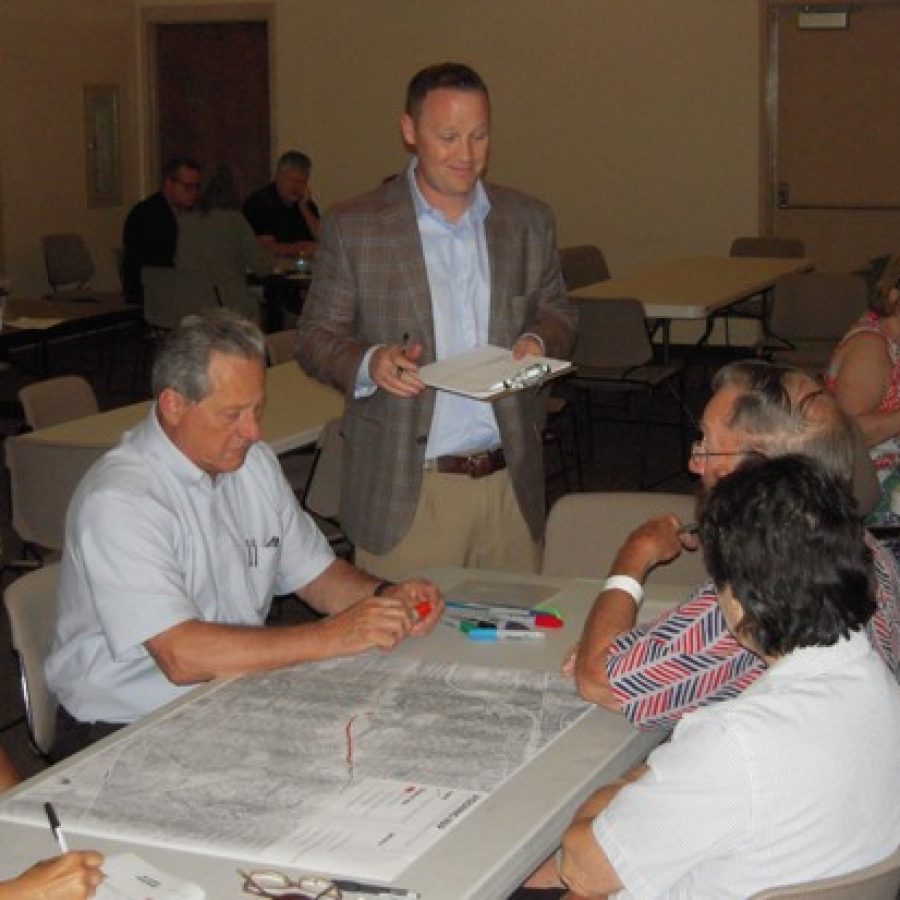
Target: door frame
(768, 32)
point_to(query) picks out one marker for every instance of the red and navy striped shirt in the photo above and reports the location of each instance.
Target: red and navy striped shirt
(688, 658)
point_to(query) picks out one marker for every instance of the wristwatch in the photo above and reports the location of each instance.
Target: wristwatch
(381, 587)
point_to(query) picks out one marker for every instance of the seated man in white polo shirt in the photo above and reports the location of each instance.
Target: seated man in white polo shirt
(177, 540)
(797, 778)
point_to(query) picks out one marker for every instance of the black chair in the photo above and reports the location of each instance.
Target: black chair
(759, 306)
(582, 265)
(614, 358)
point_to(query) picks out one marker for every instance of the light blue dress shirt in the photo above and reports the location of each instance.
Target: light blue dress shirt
(459, 280)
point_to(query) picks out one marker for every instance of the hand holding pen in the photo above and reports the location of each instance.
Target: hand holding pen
(394, 368)
(72, 876)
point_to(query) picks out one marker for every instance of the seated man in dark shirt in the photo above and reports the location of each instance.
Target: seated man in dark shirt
(282, 213)
(151, 228)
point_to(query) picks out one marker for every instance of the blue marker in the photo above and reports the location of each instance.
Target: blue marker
(486, 635)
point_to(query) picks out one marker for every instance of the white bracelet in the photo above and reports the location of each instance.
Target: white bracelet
(626, 583)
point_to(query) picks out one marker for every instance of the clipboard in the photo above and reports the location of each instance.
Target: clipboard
(488, 373)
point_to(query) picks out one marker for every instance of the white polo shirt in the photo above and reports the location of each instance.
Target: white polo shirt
(797, 778)
(152, 541)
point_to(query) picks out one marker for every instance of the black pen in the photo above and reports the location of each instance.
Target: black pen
(375, 890)
(56, 828)
(404, 342)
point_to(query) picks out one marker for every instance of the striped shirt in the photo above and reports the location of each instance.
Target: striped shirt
(687, 658)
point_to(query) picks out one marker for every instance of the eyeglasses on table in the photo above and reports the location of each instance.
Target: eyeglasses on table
(280, 886)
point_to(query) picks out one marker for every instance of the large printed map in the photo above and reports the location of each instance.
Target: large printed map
(349, 766)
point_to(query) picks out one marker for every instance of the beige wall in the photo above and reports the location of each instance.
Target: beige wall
(637, 120)
(49, 49)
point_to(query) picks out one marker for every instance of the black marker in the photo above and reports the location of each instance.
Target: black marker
(56, 828)
(374, 890)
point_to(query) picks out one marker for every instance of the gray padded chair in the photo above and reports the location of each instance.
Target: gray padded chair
(759, 306)
(171, 294)
(582, 265)
(813, 311)
(43, 476)
(585, 531)
(69, 265)
(614, 358)
(31, 607)
(57, 400)
(880, 881)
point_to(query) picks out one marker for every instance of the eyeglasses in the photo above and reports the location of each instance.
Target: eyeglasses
(189, 185)
(279, 886)
(699, 451)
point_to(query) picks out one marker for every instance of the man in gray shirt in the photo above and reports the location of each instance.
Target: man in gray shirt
(177, 540)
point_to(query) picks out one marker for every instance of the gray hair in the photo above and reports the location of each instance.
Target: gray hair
(182, 362)
(294, 159)
(785, 410)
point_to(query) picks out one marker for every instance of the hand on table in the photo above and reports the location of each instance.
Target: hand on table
(394, 368)
(381, 622)
(72, 876)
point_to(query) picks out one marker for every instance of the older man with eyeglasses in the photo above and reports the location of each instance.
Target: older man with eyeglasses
(687, 658)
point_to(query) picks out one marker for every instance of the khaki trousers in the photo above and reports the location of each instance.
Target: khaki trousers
(460, 521)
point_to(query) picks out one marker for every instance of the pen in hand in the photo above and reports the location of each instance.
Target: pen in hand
(56, 828)
(404, 343)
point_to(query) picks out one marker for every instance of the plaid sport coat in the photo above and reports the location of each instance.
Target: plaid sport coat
(370, 286)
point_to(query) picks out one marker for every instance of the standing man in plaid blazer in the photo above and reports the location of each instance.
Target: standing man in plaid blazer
(433, 263)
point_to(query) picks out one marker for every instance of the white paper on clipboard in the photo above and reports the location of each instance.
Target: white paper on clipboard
(488, 372)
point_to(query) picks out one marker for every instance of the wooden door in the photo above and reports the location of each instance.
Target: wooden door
(213, 96)
(834, 134)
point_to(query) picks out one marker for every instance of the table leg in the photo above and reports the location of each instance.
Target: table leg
(666, 325)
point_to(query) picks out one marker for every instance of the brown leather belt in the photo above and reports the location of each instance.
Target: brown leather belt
(475, 465)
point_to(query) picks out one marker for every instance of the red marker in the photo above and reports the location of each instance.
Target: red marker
(423, 609)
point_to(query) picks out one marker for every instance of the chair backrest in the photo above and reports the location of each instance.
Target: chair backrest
(31, 606)
(42, 479)
(880, 881)
(67, 260)
(582, 265)
(817, 306)
(585, 531)
(322, 496)
(280, 346)
(768, 246)
(171, 294)
(612, 333)
(56, 400)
